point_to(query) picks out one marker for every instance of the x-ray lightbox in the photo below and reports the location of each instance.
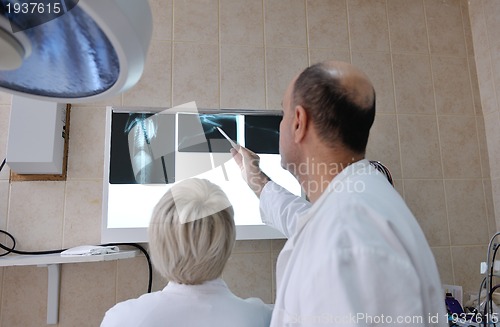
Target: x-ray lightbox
(147, 150)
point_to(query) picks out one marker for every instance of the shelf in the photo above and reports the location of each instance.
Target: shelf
(50, 259)
(53, 263)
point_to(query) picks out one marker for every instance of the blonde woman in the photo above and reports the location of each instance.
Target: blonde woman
(191, 237)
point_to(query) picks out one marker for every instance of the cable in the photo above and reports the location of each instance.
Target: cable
(483, 283)
(491, 288)
(3, 164)
(12, 249)
(489, 277)
(148, 259)
(383, 169)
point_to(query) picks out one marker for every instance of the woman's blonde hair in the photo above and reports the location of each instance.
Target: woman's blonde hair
(192, 232)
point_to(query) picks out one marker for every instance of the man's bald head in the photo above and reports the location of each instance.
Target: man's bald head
(353, 82)
(340, 100)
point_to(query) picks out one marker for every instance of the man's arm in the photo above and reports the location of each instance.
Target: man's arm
(279, 208)
(248, 162)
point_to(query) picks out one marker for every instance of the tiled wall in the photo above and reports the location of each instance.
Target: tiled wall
(429, 130)
(485, 26)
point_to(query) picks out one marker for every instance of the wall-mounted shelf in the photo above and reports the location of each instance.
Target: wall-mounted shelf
(53, 263)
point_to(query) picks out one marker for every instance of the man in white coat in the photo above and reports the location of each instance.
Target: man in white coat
(357, 256)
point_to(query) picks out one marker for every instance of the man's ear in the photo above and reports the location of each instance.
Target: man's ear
(300, 124)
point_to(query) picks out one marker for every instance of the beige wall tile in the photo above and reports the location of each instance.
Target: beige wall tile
(251, 246)
(320, 55)
(24, 296)
(196, 74)
(481, 37)
(86, 143)
(1, 287)
(162, 19)
(285, 23)
(398, 185)
(426, 200)
(196, 20)
(4, 203)
(442, 255)
(5, 98)
(383, 143)
(241, 22)
(103, 103)
(459, 146)
(483, 58)
(368, 25)
(476, 97)
(249, 275)
(466, 262)
(378, 67)
(243, 81)
(407, 26)
(36, 215)
(327, 24)
(483, 147)
(466, 212)
(452, 85)
(413, 84)
(154, 89)
(419, 142)
(277, 245)
(86, 288)
(131, 278)
(489, 103)
(495, 189)
(4, 135)
(445, 27)
(464, 6)
(82, 213)
(159, 282)
(282, 65)
(490, 209)
(495, 60)
(274, 260)
(492, 12)
(477, 20)
(482, 54)
(491, 123)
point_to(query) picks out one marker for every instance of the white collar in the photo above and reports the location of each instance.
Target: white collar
(211, 286)
(356, 168)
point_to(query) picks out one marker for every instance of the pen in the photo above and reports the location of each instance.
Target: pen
(233, 144)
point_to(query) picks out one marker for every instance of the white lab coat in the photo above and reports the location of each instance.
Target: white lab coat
(357, 257)
(210, 304)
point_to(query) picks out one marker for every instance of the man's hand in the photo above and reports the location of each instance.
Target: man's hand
(250, 170)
